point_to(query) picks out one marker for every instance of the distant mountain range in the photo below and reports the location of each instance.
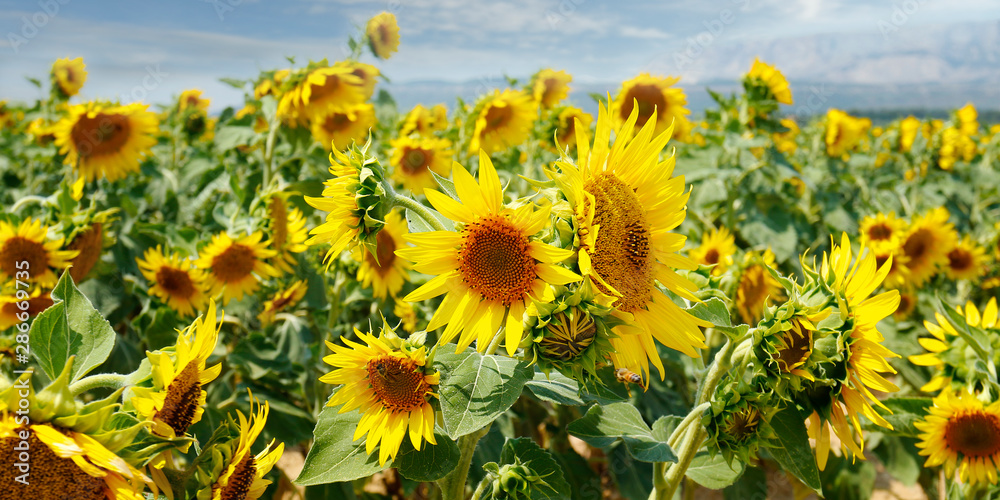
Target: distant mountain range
(914, 67)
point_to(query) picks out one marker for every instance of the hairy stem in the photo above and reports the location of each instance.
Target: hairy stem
(109, 380)
(453, 485)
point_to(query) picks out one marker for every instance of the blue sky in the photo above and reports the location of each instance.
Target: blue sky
(155, 49)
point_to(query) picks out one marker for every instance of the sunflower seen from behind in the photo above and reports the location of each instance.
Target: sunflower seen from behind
(625, 205)
(27, 254)
(287, 228)
(390, 383)
(775, 82)
(174, 280)
(106, 140)
(233, 268)
(949, 353)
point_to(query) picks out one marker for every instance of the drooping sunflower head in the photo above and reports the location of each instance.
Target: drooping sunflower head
(756, 288)
(29, 255)
(179, 375)
(651, 97)
(717, 249)
(174, 280)
(281, 301)
(844, 132)
(572, 334)
(389, 381)
(949, 352)
(503, 120)
(243, 475)
(771, 80)
(549, 87)
(927, 243)
(340, 127)
(882, 232)
(961, 432)
(565, 126)
(318, 91)
(89, 241)
(109, 141)
(424, 121)
(234, 267)
(967, 261)
(489, 266)
(68, 76)
(625, 204)
(413, 160)
(382, 33)
(353, 199)
(382, 270)
(287, 228)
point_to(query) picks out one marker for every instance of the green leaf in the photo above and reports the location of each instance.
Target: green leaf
(713, 472)
(555, 388)
(603, 425)
(229, 137)
(905, 412)
(430, 463)
(712, 310)
(334, 456)
(791, 448)
(752, 485)
(70, 327)
(475, 389)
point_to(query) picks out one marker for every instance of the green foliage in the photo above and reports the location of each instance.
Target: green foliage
(603, 425)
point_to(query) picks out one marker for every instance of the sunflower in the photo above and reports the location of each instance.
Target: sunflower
(365, 72)
(340, 127)
(270, 84)
(785, 141)
(565, 127)
(489, 268)
(175, 401)
(320, 93)
(287, 230)
(38, 301)
(424, 121)
(174, 280)
(907, 304)
(62, 461)
(549, 87)
(967, 261)
(26, 253)
(502, 120)
(90, 243)
(955, 146)
(106, 140)
(927, 243)
(68, 76)
(947, 340)
(382, 33)
(413, 160)
(843, 132)
(756, 287)
(962, 433)
(717, 249)
(968, 120)
(908, 129)
(626, 203)
(281, 301)
(775, 82)
(243, 478)
(389, 382)
(653, 97)
(191, 99)
(383, 271)
(882, 232)
(233, 267)
(865, 356)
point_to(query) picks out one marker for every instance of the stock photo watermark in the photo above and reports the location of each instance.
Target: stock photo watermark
(901, 14)
(32, 24)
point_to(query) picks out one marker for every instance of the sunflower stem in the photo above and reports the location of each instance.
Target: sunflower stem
(453, 485)
(396, 199)
(269, 155)
(109, 380)
(495, 343)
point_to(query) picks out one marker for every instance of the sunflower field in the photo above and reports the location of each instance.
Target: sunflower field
(322, 296)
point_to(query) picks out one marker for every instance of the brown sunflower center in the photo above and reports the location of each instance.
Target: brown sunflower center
(50, 477)
(279, 222)
(181, 403)
(905, 304)
(568, 335)
(742, 423)
(879, 232)
(241, 480)
(917, 245)
(567, 131)
(752, 293)
(794, 347)
(551, 88)
(974, 434)
(712, 256)
(234, 264)
(649, 97)
(89, 244)
(18, 249)
(336, 122)
(175, 282)
(100, 135)
(385, 251)
(621, 253)
(498, 116)
(960, 259)
(397, 383)
(494, 260)
(415, 160)
(330, 86)
(35, 306)
(281, 301)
